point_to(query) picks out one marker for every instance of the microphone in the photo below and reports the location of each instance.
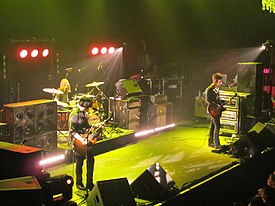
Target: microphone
(99, 65)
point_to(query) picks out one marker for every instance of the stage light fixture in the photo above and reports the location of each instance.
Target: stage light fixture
(34, 53)
(45, 52)
(111, 50)
(23, 53)
(57, 189)
(94, 51)
(103, 50)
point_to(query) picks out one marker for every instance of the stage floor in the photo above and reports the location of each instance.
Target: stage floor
(182, 152)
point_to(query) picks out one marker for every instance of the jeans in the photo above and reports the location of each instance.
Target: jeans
(214, 132)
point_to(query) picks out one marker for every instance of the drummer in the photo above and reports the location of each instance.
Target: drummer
(62, 99)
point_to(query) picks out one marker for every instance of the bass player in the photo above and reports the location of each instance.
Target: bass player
(214, 102)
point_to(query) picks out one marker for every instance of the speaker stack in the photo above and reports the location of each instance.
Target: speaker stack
(32, 123)
(250, 80)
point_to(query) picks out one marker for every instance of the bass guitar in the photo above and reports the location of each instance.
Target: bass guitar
(215, 111)
(91, 136)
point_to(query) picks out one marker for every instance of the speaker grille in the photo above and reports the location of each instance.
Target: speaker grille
(32, 122)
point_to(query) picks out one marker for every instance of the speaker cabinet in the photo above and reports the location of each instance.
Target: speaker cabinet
(23, 191)
(250, 80)
(173, 87)
(114, 192)
(129, 118)
(153, 184)
(128, 87)
(46, 141)
(157, 115)
(26, 119)
(19, 160)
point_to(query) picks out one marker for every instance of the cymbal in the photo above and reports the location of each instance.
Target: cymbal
(94, 84)
(52, 91)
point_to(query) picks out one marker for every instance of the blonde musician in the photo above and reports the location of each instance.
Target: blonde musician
(63, 99)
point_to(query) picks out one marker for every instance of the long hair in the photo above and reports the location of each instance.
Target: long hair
(65, 85)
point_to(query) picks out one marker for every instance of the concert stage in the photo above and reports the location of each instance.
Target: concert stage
(182, 152)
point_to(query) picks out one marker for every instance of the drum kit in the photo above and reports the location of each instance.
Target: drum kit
(95, 114)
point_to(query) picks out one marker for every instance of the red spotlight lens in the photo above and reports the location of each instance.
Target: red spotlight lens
(45, 52)
(94, 51)
(23, 53)
(111, 50)
(34, 53)
(104, 50)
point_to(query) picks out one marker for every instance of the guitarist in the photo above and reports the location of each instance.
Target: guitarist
(214, 102)
(78, 127)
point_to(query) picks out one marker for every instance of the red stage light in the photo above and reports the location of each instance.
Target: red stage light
(45, 52)
(34, 53)
(94, 51)
(23, 53)
(111, 50)
(104, 50)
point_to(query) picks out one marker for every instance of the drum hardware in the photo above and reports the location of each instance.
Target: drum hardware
(94, 84)
(63, 124)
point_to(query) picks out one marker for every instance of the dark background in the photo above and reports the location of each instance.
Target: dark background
(189, 39)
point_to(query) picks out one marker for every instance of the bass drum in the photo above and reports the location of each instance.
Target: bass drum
(93, 118)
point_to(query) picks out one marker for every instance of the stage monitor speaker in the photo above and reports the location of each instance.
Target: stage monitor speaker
(19, 160)
(128, 87)
(29, 118)
(153, 184)
(258, 138)
(250, 80)
(23, 191)
(115, 192)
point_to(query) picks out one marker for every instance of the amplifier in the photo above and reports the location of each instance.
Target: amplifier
(230, 115)
(225, 95)
(158, 98)
(130, 103)
(229, 126)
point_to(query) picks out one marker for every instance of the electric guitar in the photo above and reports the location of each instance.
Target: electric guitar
(215, 111)
(91, 136)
